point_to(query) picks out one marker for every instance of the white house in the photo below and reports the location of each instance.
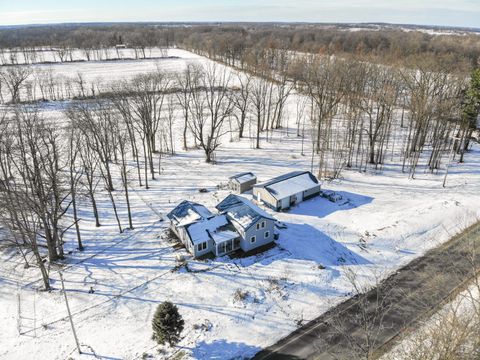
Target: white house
(282, 192)
(255, 226)
(214, 235)
(239, 224)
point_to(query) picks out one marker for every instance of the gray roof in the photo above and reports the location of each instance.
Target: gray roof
(242, 211)
(289, 184)
(202, 230)
(188, 212)
(243, 177)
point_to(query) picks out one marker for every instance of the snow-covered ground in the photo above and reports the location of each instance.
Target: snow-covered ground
(101, 74)
(384, 221)
(54, 55)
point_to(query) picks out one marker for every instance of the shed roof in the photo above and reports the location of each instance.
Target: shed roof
(243, 177)
(188, 212)
(289, 184)
(242, 211)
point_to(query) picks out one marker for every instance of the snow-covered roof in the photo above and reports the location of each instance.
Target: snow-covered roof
(243, 177)
(290, 184)
(202, 231)
(242, 211)
(188, 212)
(223, 235)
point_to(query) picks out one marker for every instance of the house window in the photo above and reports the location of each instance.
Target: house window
(202, 246)
(267, 234)
(263, 224)
(253, 239)
(258, 226)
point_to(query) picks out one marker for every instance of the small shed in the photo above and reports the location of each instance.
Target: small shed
(242, 182)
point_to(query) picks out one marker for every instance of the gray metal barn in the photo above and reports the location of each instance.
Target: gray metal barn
(287, 190)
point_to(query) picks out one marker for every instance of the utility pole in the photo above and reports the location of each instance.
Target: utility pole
(70, 314)
(19, 309)
(449, 160)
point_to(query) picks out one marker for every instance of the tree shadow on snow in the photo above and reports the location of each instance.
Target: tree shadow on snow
(321, 207)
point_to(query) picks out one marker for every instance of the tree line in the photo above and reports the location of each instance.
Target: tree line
(243, 42)
(355, 114)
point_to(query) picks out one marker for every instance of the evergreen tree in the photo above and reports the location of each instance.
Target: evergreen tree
(167, 324)
(471, 106)
(470, 110)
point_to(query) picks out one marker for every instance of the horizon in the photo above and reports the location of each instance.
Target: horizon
(440, 13)
(345, 24)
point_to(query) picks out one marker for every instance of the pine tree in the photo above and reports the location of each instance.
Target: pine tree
(167, 324)
(470, 111)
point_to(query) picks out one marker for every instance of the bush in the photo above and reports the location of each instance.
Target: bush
(167, 324)
(240, 295)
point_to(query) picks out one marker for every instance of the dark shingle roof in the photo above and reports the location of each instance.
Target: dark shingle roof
(242, 211)
(188, 212)
(281, 178)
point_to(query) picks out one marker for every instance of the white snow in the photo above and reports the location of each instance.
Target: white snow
(242, 211)
(386, 221)
(199, 231)
(243, 177)
(223, 236)
(187, 213)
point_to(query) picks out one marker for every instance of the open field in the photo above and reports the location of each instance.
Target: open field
(384, 221)
(101, 74)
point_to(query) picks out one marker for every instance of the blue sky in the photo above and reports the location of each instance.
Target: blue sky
(428, 12)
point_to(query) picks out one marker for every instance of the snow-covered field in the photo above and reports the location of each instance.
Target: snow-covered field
(114, 70)
(102, 74)
(54, 55)
(385, 221)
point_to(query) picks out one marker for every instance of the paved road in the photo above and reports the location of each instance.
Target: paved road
(397, 303)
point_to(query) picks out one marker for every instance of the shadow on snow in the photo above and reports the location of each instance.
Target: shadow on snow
(320, 207)
(221, 349)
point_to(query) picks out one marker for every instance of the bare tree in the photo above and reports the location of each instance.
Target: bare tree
(241, 100)
(183, 82)
(325, 82)
(75, 176)
(14, 78)
(259, 104)
(210, 107)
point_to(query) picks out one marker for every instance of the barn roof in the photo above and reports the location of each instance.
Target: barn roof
(289, 184)
(242, 211)
(188, 212)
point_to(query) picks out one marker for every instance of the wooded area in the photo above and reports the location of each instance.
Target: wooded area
(419, 109)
